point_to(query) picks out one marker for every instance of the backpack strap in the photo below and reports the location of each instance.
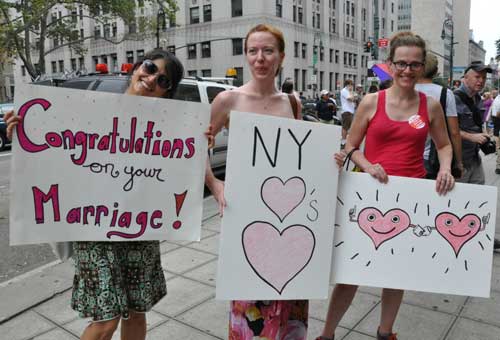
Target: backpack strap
(295, 106)
(442, 98)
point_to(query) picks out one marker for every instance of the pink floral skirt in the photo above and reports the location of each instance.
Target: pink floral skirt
(268, 320)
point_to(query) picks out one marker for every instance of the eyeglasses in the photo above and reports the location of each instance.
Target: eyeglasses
(402, 65)
(151, 69)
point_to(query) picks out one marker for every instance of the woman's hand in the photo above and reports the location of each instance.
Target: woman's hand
(444, 182)
(11, 119)
(340, 158)
(216, 186)
(378, 172)
(210, 136)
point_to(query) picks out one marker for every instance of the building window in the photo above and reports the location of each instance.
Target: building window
(363, 38)
(383, 5)
(54, 67)
(97, 32)
(347, 6)
(392, 25)
(334, 25)
(207, 13)
(353, 13)
(236, 8)
(205, 49)
(392, 7)
(354, 60)
(81, 63)
(104, 59)
(130, 57)
(336, 56)
(114, 30)
(278, 8)
(347, 30)
(304, 51)
(114, 62)
(330, 81)
(74, 15)
(140, 55)
(107, 30)
(95, 61)
(300, 15)
(194, 15)
(331, 56)
(345, 58)
(383, 23)
(352, 31)
(73, 64)
(237, 46)
(61, 66)
(321, 53)
(304, 80)
(171, 49)
(321, 74)
(191, 51)
(238, 81)
(296, 46)
(294, 11)
(132, 27)
(192, 73)
(206, 73)
(318, 20)
(296, 78)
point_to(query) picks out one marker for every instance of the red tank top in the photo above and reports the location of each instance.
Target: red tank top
(398, 145)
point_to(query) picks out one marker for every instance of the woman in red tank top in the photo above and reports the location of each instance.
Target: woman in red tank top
(395, 123)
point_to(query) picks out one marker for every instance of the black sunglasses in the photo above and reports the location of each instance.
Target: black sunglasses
(151, 68)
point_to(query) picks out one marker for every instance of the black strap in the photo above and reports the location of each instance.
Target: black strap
(347, 158)
(442, 98)
(295, 106)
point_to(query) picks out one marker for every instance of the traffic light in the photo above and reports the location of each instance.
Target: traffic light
(368, 46)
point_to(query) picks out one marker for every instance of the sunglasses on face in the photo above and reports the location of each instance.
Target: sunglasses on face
(150, 68)
(402, 65)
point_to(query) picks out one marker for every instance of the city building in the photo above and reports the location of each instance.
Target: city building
(325, 40)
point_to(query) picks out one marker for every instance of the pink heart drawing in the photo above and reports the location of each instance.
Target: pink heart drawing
(382, 227)
(282, 198)
(457, 231)
(277, 257)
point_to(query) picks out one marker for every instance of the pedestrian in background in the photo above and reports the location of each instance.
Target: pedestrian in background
(121, 281)
(264, 50)
(447, 100)
(325, 107)
(348, 103)
(470, 110)
(392, 113)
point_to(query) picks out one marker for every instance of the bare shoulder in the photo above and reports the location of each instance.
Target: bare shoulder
(368, 102)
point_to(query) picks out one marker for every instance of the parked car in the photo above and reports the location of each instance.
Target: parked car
(4, 108)
(190, 89)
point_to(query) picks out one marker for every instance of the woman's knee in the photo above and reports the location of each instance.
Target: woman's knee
(104, 330)
(135, 319)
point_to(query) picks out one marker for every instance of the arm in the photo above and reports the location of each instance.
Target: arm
(219, 117)
(439, 135)
(366, 111)
(478, 138)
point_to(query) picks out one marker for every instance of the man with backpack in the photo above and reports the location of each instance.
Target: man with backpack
(447, 100)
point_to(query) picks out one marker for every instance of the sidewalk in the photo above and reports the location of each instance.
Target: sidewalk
(36, 305)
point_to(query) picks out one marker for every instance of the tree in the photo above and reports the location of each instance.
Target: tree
(25, 25)
(497, 44)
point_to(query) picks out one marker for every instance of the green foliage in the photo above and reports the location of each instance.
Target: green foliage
(497, 45)
(25, 25)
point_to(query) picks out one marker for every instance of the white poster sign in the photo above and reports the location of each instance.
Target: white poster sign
(277, 229)
(91, 166)
(404, 235)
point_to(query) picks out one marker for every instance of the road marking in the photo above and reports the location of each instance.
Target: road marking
(5, 154)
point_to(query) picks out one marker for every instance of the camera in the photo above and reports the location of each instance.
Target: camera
(489, 147)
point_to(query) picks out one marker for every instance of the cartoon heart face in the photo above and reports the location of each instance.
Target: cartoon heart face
(382, 227)
(457, 231)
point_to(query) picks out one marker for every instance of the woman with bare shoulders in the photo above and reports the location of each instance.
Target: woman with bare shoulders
(395, 123)
(265, 51)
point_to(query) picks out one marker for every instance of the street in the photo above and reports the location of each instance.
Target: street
(19, 259)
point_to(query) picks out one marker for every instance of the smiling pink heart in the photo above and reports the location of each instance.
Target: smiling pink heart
(382, 227)
(457, 231)
(277, 257)
(282, 198)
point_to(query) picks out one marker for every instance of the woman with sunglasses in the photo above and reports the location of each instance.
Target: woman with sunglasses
(121, 281)
(395, 123)
(264, 50)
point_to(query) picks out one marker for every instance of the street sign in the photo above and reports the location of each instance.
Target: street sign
(314, 79)
(459, 68)
(383, 42)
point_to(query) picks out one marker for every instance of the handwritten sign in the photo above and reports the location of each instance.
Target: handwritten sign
(91, 166)
(404, 235)
(277, 229)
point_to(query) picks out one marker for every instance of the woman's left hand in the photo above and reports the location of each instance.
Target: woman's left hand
(444, 182)
(210, 136)
(340, 158)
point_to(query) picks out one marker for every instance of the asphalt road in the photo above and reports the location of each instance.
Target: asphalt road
(19, 259)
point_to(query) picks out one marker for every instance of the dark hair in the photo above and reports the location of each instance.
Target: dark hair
(287, 86)
(173, 67)
(348, 82)
(385, 84)
(406, 39)
(373, 89)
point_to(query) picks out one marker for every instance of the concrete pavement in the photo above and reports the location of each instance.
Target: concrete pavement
(36, 305)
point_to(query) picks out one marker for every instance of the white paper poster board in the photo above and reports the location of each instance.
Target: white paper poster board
(101, 166)
(404, 235)
(277, 229)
